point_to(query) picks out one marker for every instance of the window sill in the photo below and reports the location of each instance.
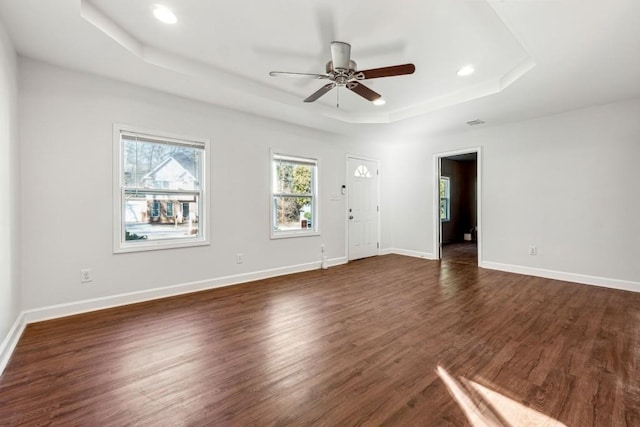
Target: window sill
(158, 245)
(290, 234)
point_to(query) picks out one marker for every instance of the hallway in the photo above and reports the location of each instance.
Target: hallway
(461, 253)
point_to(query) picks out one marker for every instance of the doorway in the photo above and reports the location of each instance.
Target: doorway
(362, 207)
(457, 201)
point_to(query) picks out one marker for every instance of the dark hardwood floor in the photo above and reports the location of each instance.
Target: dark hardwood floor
(463, 252)
(389, 340)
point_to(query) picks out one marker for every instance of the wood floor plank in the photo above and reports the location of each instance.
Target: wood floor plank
(389, 340)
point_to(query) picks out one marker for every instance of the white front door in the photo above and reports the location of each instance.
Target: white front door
(363, 207)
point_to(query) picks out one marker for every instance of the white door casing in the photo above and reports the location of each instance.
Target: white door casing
(437, 224)
(362, 207)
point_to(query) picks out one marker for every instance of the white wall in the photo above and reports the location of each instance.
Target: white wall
(66, 134)
(565, 183)
(568, 184)
(9, 188)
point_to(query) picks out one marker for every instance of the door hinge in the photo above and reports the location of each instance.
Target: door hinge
(377, 171)
(377, 208)
(378, 245)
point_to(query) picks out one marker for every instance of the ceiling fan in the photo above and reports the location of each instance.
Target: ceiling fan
(342, 71)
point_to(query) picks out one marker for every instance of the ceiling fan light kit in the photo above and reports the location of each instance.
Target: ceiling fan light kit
(342, 71)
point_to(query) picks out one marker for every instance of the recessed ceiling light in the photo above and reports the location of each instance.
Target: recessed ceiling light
(379, 101)
(466, 70)
(164, 14)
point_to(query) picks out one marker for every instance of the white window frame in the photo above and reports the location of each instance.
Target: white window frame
(315, 224)
(120, 245)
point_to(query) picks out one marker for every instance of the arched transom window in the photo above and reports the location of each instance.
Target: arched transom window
(362, 172)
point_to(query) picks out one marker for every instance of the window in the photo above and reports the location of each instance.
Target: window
(445, 199)
(362, 172)
(155, 176)
(293, 196)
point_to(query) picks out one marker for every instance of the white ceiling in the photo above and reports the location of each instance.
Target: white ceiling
(532, 57)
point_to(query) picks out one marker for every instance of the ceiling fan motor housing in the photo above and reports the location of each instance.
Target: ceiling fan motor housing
(340, 75)
(341, 55)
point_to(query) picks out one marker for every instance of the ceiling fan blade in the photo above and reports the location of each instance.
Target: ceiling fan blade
(317, 94)
(395, 70)
(340, 55)
(363, 91)
(308, 75)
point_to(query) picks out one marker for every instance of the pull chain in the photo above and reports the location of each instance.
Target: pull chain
(338, 97)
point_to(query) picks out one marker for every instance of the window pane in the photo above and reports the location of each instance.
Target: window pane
(292, 213)
(444, 198)
(161, 166)
(157, 216)
(293, 177)
(362, 172)
(444, 187)
(444, 209)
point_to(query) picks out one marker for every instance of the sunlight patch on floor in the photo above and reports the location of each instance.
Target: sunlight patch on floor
(484, 407)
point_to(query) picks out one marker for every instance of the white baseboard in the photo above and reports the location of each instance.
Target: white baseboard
(625, 285)
(406, 252)
(78, 307)
(337, 261)
(61, 310)
(11, 340)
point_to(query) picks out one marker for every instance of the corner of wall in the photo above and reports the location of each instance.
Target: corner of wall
(10, 226)
(10, 341)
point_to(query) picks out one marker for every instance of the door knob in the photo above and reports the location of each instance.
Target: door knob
(350, 216)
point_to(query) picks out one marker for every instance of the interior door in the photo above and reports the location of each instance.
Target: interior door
(438, 208)
(363, 207)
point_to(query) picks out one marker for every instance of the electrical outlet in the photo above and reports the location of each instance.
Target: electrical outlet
(239, 258)
(533, 250)
(85, 275)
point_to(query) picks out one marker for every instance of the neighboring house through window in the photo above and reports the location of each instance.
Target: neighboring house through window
(155, 174)
(294, 210)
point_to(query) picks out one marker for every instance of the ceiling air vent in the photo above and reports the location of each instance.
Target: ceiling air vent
(475, 122)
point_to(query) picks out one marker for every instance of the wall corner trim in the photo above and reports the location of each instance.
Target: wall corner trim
(624, 285)
(11, 340)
